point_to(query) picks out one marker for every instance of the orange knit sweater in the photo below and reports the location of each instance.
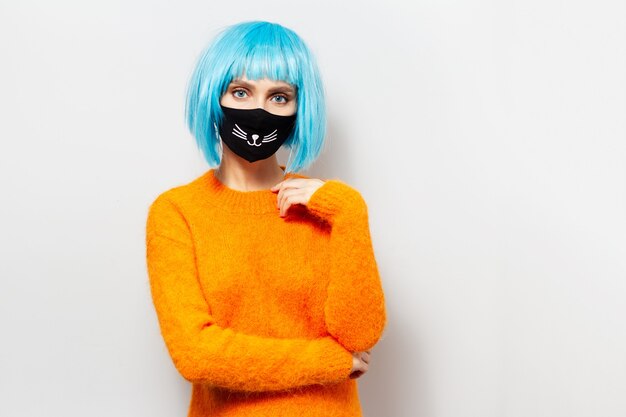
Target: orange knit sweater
(261, 312)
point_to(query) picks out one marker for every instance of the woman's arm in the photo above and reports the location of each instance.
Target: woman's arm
(355, 304)
(204, 352)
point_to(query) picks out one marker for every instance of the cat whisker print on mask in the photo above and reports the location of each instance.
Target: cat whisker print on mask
(271, 136)
(240, 133)
(237, 131)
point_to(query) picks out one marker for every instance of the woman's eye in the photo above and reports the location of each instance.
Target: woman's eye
(280, 99)
(239, 93)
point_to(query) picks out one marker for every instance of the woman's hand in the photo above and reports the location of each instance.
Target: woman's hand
(295, 191)
(360, 363)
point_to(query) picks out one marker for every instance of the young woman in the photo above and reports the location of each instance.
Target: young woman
(264, 281)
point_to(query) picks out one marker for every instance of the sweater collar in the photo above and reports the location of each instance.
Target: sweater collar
(236, 201)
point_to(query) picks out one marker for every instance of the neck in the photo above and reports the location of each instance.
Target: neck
(239, 174)
(232, 200)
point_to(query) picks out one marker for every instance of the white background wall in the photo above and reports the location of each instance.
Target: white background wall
(488, 137)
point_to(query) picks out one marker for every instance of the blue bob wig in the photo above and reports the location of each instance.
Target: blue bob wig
(257, 50)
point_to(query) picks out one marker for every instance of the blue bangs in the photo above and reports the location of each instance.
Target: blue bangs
(257, 50)
(265, 51)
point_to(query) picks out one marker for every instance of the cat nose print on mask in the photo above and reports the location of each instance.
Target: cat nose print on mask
(253, 138)
(254, 134)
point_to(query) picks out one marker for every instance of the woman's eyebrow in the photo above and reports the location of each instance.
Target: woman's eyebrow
(283, 89)
(241, 82)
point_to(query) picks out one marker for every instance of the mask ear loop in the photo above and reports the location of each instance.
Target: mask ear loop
(221, 146)
(289, 159)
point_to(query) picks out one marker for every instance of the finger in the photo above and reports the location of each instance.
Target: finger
(281, 193)
(290, 183)
(289, 198)
(280, 185)
(356, 374)
(280, 202)
(276, 186)
(295, 182)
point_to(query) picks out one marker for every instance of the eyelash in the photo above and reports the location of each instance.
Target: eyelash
(278, 95)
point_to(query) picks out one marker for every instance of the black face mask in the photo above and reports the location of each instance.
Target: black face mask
(254, 134)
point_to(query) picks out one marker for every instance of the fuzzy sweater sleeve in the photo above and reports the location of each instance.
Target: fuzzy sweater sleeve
(355, 304)
(204, 352)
